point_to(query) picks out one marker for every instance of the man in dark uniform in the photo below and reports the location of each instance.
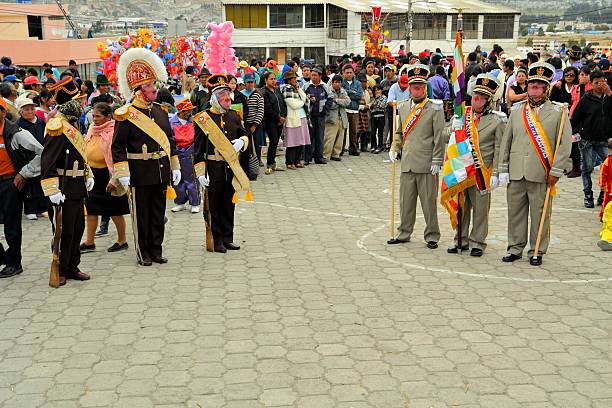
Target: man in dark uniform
(65, 177)
(219, 140)
(144, 151)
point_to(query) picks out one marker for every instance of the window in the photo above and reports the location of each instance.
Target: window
(470, 26)
(249, 53)
(336, 22)
(429, 27)
(317, 54)
(500, 26)
(246, 16)
(314, 16)
(282, 55)
(396, 25)
(286, 16)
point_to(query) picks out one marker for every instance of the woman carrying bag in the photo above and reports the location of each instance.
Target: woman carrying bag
(297, 134)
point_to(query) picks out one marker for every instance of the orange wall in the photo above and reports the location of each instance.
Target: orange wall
(56, 52)
(13, 26)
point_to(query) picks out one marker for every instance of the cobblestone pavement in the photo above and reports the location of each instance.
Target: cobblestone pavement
(316, 311)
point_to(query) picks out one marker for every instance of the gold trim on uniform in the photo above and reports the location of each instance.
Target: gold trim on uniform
(122, 113)
(200, 169)
(245, 139)
(55, 127)
(174, 163)
(50, 186)
(121, 169)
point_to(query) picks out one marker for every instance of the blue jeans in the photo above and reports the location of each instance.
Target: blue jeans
(587, 151)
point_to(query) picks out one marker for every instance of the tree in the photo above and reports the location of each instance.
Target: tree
(540, 32)
(602, 27)
(582, 42)
(524, 30)
(551, 27)
(529, 42)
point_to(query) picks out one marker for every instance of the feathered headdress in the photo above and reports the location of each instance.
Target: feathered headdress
(139, 66)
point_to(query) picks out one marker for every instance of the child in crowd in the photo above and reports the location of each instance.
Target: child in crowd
(378, 106)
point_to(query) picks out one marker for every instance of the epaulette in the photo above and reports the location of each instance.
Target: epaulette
(163, 107)
(437, 104)
(55, 127)
(559, 106)
(517, 105)
(121, 113)
(500, 115)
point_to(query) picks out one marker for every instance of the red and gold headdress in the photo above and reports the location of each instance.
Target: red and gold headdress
(139, 66)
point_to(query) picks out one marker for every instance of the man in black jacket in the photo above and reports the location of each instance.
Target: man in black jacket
(592, 126)
(200, 97)
(19, 161)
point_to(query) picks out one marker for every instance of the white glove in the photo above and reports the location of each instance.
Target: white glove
(457, 123)
(238, 144)
(125, 181)
(392, 155)
(57, 198)
(435, 169)
(576, 137)
(89, 183)
(504, 179)
(494, 182)
(176, 177)
(204, 181)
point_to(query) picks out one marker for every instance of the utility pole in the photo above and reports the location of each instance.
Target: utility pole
(67, 17)
(409, 26)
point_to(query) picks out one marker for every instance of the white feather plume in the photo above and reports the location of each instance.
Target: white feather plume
(134, 54)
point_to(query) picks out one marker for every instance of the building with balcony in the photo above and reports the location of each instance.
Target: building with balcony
(322, 30)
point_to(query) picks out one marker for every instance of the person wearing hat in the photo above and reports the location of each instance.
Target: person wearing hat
(32, 83)
(65, 176)
(184, 132)
(255, 112)
(574, 55)
(398, 93)
(484, 128)
(296, 124)
(221, 152)
(103, 86)
(200, 98)
(144, 151)
(529, 163)
(419, 138)
(19, 162)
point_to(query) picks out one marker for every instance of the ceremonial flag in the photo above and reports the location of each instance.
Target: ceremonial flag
(458, 172)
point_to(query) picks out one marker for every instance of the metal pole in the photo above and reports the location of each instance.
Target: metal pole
(409, 25)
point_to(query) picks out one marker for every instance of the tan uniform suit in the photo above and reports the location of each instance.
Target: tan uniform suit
(527, 187)
(490, 134)
(424, 147)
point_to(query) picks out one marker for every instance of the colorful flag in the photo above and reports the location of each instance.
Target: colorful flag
(458, 171)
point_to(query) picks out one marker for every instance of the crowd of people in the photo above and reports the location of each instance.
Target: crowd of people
(314, 113)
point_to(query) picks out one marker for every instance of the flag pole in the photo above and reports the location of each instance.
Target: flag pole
(460, 195)
(392, 216)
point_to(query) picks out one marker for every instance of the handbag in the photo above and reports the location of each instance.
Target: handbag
(253, 165)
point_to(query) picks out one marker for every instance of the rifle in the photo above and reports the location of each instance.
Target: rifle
(209, 242)
(57, 235)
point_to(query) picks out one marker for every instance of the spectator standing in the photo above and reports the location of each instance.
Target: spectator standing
(254, 118)
(275, 114)
(336, 121)
(319, 97)
(354, 90)
(583, 86)
(363, 126)
(200, 97)
(296, 125)
(439, 85)
(378, 107)
(518, 91)
(45, 104)
(591, 123)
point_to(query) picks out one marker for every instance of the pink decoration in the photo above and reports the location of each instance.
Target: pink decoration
(219, 56)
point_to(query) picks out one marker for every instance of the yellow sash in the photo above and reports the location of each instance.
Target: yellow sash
(152, 129)
(484, 178)
(240, 182)
(412, 119)
(76, 139)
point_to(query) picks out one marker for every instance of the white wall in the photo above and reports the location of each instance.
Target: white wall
(279, 37)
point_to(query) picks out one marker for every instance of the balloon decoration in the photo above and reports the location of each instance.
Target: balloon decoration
(219, 56)
(176, 52)
(377, 41)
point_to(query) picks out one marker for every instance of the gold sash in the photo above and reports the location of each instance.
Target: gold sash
(240, 182)
(152, 129)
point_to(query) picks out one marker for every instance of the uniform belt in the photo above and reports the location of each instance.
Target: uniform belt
(215, 157)
(71, 173)
(146, 156)
(7, 176)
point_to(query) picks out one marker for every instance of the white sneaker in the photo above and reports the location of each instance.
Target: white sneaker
(178, 208)
(32, 217)
(195, 209)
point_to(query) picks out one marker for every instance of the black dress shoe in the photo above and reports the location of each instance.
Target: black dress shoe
(323, 161)
(511, 258)
(80, 276)
(145, 262)
(476, 252)
(455, 249)
(230, 246)
(117, 247)
(220, 248)
(395, 241)
(62, 280)
(535, 261)
(432, 244)
(354, 153)
(335, 159)
(9, 271)
(84, 248)
(159, 259)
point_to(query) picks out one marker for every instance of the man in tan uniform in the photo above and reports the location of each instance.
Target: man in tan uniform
(485, 129)
(528, 169)
(420, 139)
